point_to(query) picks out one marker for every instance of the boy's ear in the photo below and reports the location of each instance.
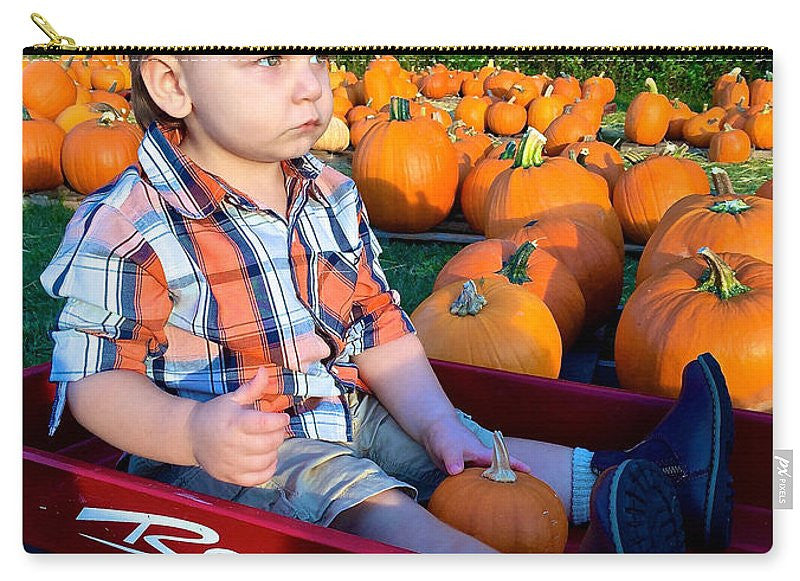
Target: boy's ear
(163, 77)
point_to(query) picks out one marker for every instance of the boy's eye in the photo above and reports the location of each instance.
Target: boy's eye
(319, 59)
(269, 61)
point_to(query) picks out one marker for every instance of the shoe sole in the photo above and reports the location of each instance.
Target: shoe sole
(644, 513)
(719, 493)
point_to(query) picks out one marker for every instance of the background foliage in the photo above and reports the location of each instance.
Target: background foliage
(689, 77)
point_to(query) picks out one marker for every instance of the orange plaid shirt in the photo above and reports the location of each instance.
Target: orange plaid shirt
(172, 273)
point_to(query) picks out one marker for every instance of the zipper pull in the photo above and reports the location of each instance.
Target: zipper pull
(56, 40)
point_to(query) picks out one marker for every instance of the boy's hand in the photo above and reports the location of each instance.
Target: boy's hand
(234, 442)
(451, 445)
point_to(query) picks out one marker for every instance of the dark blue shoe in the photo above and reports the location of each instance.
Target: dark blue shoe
(692, 446)
(634, 509)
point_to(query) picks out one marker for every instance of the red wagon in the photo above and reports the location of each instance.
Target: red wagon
(74, 501)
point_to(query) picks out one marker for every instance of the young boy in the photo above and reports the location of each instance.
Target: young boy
(229, 326)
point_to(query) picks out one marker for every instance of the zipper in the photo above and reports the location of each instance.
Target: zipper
(59, 45)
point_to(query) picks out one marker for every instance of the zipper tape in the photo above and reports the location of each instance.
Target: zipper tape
(66, 45)
(405, 50)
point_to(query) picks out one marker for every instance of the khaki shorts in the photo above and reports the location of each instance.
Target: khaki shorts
(316, 480)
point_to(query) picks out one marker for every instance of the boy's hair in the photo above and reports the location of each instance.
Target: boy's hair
(144, 108)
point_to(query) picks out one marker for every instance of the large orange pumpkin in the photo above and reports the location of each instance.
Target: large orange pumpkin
(765, 190)
(475, 189)
(594, 261)
(759, 128)
(526, 89)
(534, 185)
(726, 221)
(407, 172)
(647, 118)
(361, 126)
(699, 129)
(566, 129)
(567, 86)
(678, 115)
(600, 158)
(47, 89)
(732, 92)
(645, 191)
(720, 304)
(761, 90)
(599, 88)
(465, 323)
(41, 153)
(472, 111)
(722, 84)
(512, 512)
(97, 150)
(530, 267)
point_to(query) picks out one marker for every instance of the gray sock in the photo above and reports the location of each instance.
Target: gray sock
(582, 482)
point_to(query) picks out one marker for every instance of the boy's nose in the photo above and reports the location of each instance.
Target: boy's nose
(307, 84)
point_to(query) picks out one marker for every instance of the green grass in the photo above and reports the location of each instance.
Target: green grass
(42, 230)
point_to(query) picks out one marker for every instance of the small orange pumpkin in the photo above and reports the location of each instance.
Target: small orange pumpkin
(543, 110)
(506, 117)
(647, 118)
(510, 511)
(96, 151)
(729, 146)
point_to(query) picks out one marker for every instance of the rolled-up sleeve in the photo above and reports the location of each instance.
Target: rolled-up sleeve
(377, 316)
(117, 301)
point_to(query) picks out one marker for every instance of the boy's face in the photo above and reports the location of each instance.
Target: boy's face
(260, 108)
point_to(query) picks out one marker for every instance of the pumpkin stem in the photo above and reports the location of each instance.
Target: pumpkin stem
(735, 71)
(529, 152)
(500, 470)
(26, 116)
(579, 157)
(768, 76)
(512, 99)
(722, 182)
(469, 302)
(727, 127)
(510, 151)
(719, 278)
(113, 87)
(516, 269)
(651, 85)
(588, 138)
(107, 118)
(734, 207)
(398, 109)
(548, 91)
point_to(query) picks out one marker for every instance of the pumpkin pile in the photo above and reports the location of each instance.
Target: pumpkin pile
(76, 124)
(739, 119)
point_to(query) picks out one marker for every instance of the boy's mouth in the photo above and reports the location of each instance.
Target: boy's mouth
(308, 125)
